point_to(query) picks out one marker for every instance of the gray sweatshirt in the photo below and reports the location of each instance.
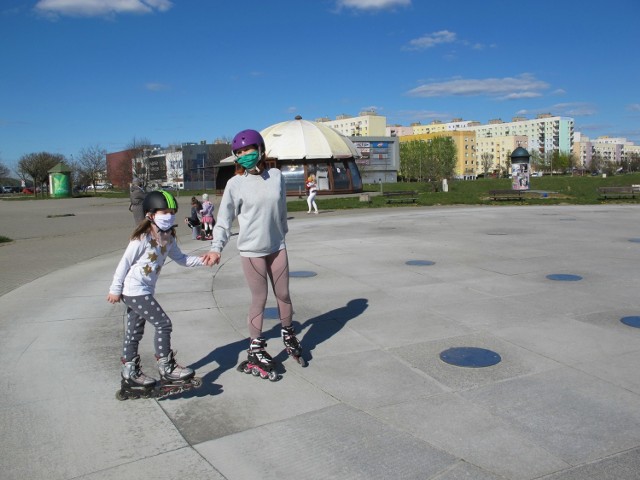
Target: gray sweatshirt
(260, 203)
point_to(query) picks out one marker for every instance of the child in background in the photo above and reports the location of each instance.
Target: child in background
(207, 217)
(312, 190)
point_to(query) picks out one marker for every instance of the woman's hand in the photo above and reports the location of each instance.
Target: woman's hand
(211, 258)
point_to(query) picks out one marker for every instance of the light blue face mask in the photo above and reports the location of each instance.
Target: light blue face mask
(249, 161)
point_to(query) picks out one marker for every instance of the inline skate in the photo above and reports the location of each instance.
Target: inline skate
(259, 362)
(292, 345)
(175, 378)
(134, 383)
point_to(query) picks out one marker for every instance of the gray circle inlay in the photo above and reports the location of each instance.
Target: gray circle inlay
(634, 240)
(564, 277)
(633, 321)
(419, 262)
(302, 274)
(471, 357)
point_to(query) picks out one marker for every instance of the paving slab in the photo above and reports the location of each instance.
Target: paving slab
(376, 400)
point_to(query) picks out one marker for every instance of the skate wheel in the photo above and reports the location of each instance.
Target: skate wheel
(302, 361)
(120, 395)
(273, 376)
(196, 382)
(255, 372)
(264, 375)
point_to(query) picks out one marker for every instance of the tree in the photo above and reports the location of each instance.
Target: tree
(93, 164)
(433, 159)
(141, 149)
(486, 160)
(4, 170)
(37, 166)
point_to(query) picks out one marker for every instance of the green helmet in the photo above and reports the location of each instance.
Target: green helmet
(158, 200)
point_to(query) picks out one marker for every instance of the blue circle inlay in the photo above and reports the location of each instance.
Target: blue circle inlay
(271, 313)
(419, 262)
(633, 321)
(634, 240)
(302, 274)
(564, 277)
(471, 357)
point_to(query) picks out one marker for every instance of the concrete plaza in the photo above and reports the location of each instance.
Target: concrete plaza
(378, 295)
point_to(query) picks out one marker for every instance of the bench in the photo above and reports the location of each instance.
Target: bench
(617, 192)
(401, 197)
(402, 200)
(507, 194)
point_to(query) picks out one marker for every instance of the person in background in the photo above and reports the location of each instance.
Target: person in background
(257, 197)
(136, 197)
(312, 190)
(193, 221)
(207, 217)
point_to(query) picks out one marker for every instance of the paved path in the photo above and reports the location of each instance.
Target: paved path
(376, 400)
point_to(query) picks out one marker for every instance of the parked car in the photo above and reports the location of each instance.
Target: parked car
(27, 190)
(6, 189)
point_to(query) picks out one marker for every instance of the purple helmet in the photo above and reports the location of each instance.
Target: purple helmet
(246, 138)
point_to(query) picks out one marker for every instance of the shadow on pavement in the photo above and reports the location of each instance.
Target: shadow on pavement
(320, 329)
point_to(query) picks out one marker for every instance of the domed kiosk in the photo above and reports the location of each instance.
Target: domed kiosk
(300, 148)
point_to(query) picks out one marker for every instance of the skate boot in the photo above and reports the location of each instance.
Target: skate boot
(292, 345)
(175, 378)
(259, 362)
(134, 383)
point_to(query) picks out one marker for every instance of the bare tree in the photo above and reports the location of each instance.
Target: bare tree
(486, 160)
(93, 164)
(4, 170)
(37, 166)
(140, 151)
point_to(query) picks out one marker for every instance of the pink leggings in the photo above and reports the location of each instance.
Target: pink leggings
(256, 269)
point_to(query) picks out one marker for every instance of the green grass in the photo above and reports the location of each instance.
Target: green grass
(5, 239)
(560, 190)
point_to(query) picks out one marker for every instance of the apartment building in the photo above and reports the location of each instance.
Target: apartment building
(610, 149)
(366, 124)
(546, 133)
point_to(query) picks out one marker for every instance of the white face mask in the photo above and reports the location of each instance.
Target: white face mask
(164, 221)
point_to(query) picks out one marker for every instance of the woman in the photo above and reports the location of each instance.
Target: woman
(257, 197)
(312, 190)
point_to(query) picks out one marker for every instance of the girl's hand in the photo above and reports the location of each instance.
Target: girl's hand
(111, 298)
(211, 258)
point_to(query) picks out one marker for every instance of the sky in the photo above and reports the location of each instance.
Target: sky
(79, 74)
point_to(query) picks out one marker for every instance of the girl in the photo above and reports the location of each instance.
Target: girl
(312, 189)
(257, 196)
(207, 217)
(134, 283)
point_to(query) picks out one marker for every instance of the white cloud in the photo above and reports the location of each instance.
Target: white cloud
(521, 86)
(431, 40)
(634, 107)
(156, 87)
(569, 109)
(92, 8)
(372, 4)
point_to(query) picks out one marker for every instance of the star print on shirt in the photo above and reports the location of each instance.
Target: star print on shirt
(153, 256)
(153, 243)
(147, 270)
(163, 249)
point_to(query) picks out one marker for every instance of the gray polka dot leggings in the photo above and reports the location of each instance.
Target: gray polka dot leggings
(142, 309)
